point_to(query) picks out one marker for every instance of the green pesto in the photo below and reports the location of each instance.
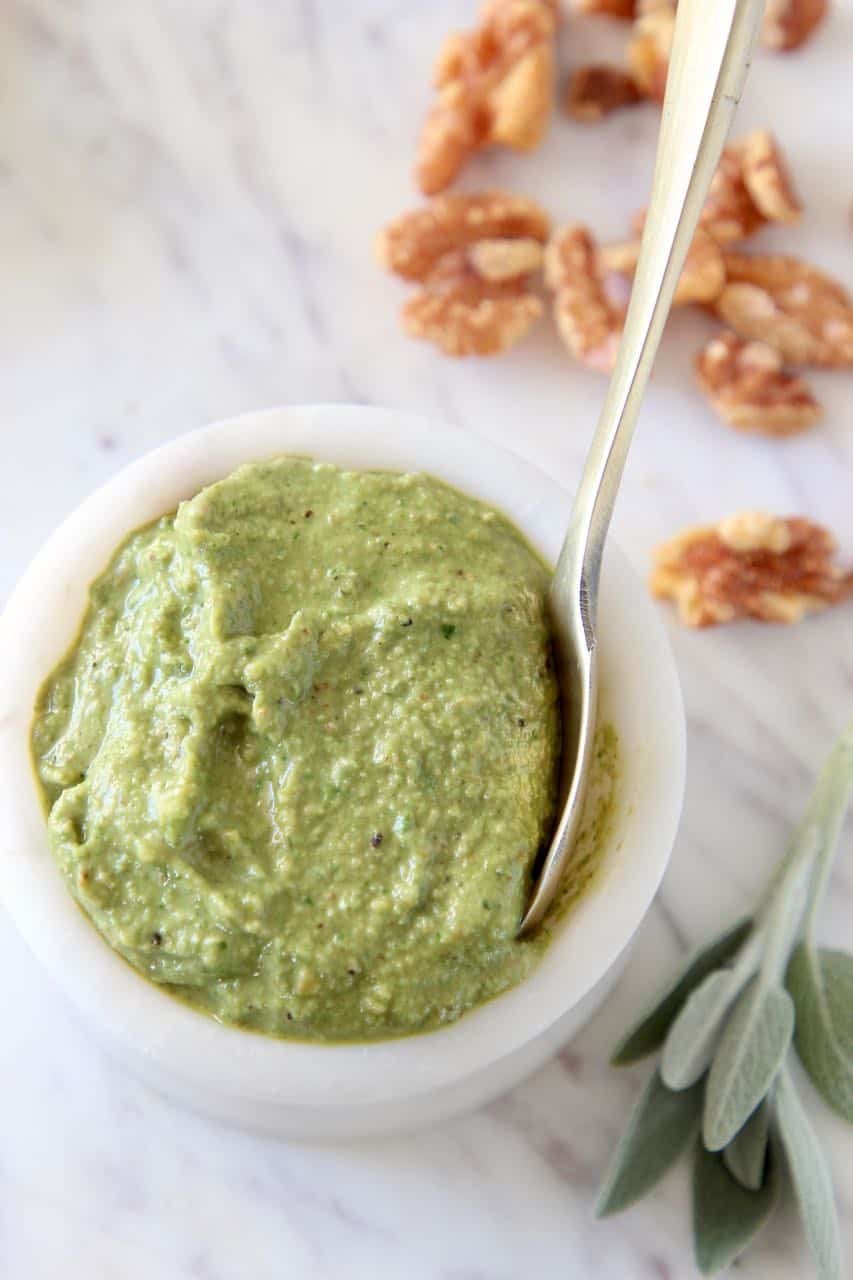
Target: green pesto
(595, 830)
(303, 753)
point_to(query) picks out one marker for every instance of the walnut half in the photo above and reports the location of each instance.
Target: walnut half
(495, 84)
(749, 388)
(750, 566)
(597, 89)
(788, 23)
(802, 312)
(589, 301)
(474, 256)
(412, 245)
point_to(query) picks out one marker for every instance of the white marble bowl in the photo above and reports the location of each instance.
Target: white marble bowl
(311, 1090)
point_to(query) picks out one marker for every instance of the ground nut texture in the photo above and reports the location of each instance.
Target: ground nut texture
(303, 754)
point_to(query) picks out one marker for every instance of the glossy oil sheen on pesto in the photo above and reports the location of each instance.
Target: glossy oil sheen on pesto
(303, 753)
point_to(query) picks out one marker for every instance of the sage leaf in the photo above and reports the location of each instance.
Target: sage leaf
(746, 1155)
(650, 1031)
(821, 983)
(751, 1051)
(693, 1036)
(726, 1217)
(811, 1180)
(662, 1126)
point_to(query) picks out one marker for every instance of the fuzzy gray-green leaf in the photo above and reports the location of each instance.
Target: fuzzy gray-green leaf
(662, 1126)
(753, 1047)
(821, 983)
(746, 1155)
(695, 1033)
(726, 1217)
(650, 1031)
(811, 1180)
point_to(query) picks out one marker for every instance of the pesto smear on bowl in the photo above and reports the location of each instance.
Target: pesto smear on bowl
(303, 753)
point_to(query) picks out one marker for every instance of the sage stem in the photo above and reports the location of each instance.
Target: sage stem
(833, 789)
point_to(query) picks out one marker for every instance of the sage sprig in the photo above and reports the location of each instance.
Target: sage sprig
(725, 1026)
(651, 1031)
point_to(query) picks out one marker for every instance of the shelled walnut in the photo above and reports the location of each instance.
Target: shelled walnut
(589, 301)
(751, 390)
(495, 85)
(802, 312)
(789, 23)
(474, 256)
(593, 91)
(750, 566)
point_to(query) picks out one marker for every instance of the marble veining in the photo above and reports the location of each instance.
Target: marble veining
(188, 195)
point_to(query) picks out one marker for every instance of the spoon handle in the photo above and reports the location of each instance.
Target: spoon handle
(710, 56)
(708, 65)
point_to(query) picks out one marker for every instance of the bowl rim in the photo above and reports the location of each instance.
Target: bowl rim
(38, 625)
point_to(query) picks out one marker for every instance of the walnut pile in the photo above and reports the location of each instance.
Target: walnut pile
(477, 257)
(751, 187)
(474, 256)
(787, 24)
(750, 566)
(751, 390)
(802, 312)
(786, 311)
(589, 302)
(495, 85)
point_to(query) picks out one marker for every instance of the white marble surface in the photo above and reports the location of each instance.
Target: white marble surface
(187, 198)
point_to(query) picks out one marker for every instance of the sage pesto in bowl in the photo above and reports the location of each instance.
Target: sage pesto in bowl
(303, 754)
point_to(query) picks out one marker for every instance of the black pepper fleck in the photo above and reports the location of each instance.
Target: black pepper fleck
(308, 514)
(407, 623)
(376, 839)
(521, 723)
(156, 938)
